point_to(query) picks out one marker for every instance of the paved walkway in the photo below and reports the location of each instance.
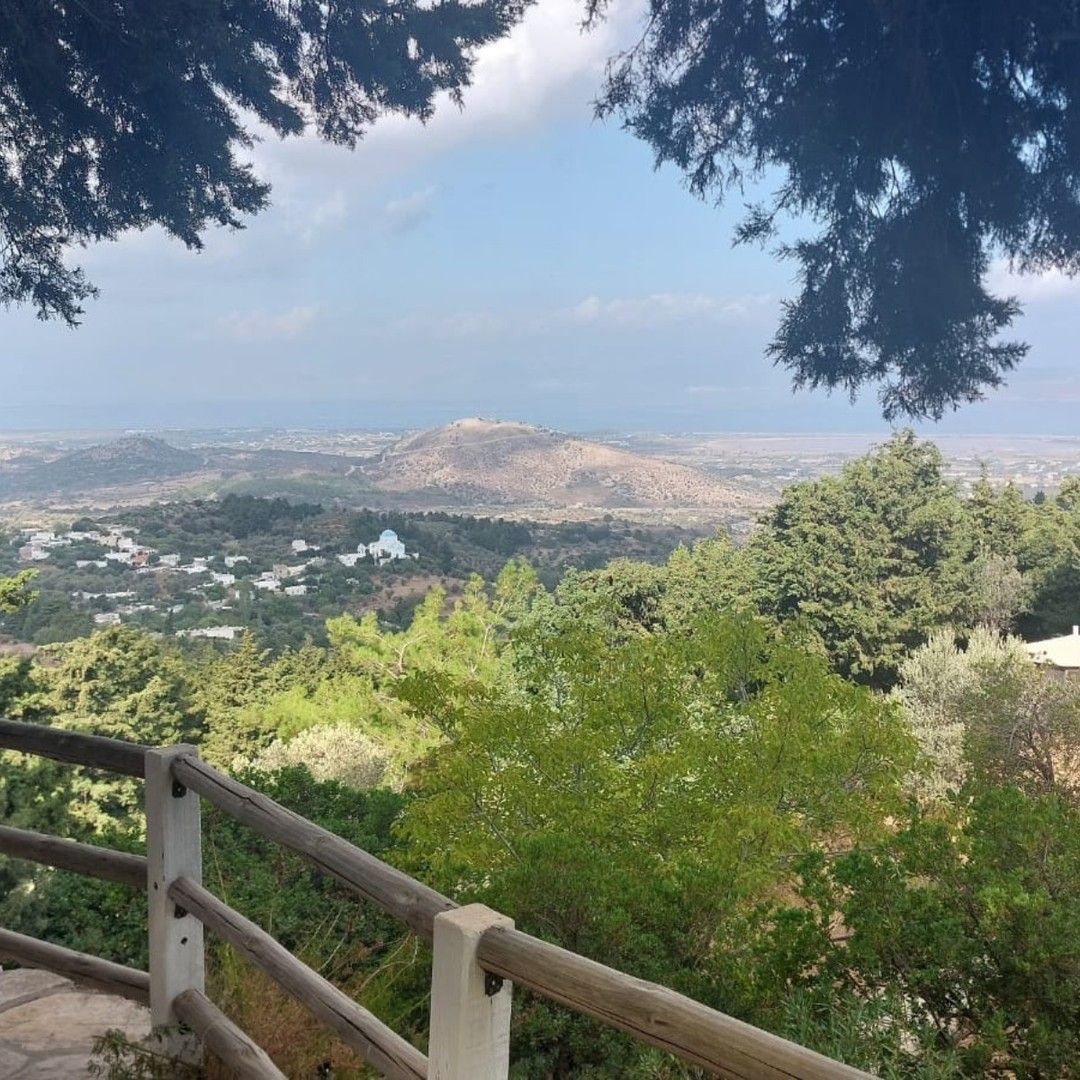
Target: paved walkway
(48, 1025)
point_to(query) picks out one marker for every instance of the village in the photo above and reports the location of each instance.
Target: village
(215, 583)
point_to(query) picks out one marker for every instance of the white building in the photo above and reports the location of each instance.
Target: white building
(223, 579)
(296, 590)
(387, 547)
(283, 572)
(267, 583)
(300, 546)
(233, 560)
(107, 618)
(1059, 652)
(352, 557)
(172, 560)
(220, 633)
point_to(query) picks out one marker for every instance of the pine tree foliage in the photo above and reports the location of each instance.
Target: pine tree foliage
(923, 138)
(123, 115)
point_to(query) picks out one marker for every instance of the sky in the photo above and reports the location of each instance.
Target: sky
(515, 259)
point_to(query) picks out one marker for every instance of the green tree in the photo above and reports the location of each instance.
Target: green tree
(638, 802)
(1048, 555)
(629, 597)
(15, 592)
(924, 138)
(119, 117)
(965, 924)
(123, 685)
(986, 710)
(871, 560)
(997, 592)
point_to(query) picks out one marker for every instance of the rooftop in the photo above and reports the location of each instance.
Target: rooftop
(1060, 652)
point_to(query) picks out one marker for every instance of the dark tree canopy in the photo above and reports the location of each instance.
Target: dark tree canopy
(118, 114)
(923, 138)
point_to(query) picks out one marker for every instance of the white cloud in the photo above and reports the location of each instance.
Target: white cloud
(457, 325)
(652, 311)
(656, 309)
(266, 326)
(401, 215)
(1032, 288)
(547, 67)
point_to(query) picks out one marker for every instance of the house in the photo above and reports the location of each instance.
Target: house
(107, 618)
(296, 590)
(171, 560)
(233, 560)
(300, 546)
(282, 572)
(223, 579)
(220, 633)
(351, 558)
(1061, 652)
(33, 553)
(267, 583)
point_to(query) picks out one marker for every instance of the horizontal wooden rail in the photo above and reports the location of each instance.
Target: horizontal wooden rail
(244, 1058)
(359, 1029)
(649, 1012)
(90, 971)
(73, 747)
(97, 862)
(395, 892)
(654, 1014)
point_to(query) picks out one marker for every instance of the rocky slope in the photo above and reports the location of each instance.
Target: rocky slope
(499, 463)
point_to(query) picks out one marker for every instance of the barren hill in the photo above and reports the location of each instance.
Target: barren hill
(500, 463)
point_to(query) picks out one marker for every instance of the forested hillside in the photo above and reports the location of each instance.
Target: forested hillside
(814, 781)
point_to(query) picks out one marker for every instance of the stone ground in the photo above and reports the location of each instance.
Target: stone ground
(48, 1025)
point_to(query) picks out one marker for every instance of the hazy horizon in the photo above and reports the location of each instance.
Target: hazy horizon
(344, 416)
(514, 258)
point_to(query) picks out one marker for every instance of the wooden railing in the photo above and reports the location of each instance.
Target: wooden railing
(477, 953)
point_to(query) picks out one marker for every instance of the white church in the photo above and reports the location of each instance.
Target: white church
(387, 548)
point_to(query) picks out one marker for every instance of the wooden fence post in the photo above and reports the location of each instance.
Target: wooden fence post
(470, 1010)
(173, 849)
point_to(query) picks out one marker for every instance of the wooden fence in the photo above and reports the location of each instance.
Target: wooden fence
(477, 953)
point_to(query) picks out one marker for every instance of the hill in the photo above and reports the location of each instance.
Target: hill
(497, 463)
(485, 467)
(131, 460)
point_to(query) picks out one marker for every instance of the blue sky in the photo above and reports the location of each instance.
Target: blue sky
(517, 259)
